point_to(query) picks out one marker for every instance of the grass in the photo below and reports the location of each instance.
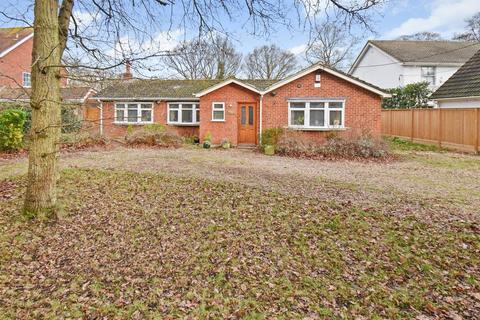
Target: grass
(146, 245)
(398, 144)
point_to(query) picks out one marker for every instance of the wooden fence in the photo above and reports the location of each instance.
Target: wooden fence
(450, 128)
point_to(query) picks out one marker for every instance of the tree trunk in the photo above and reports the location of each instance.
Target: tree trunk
(40, 199)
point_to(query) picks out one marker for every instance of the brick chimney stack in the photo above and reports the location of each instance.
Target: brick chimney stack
(128, 72)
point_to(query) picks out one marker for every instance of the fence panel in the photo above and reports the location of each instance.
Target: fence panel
(450, 128)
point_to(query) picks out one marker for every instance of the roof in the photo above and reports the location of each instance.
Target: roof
(463, 83)
(10, 38)
(435, 52)
(345, 76)
(69, 94)
(144, 89)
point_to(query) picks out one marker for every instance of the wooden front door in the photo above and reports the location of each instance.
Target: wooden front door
(247, 123)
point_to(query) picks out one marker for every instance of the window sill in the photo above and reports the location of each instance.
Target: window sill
(131, 123)
(218, 120)
(317, 129)
(176, 124)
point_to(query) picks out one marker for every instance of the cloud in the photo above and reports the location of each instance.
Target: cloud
(297, 50)
(446, 17)
(162, 42)
(83, 18)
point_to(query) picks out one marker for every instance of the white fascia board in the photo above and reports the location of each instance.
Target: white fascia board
(225, 83)
(19, 43)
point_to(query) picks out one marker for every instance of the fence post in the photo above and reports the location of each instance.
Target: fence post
(439, 127)
(411, 131)
(477, 128)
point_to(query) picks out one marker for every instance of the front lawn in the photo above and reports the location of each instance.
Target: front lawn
(158, 234)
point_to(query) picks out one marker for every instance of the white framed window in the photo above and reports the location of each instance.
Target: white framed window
(429, 74)
(183, 113)
(134, 113)
(218, 111)
(316, 114)
(26, 79)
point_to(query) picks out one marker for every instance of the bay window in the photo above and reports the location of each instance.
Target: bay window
(321, 114)
(183, 113)
(133, 113)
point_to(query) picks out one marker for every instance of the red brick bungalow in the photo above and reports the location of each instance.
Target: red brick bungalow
(314, 101)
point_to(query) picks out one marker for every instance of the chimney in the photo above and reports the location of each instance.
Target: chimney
(128, 72)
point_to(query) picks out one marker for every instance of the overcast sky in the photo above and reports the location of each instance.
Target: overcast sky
(399, 17)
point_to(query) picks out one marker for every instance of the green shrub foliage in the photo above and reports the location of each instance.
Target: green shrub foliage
(413, 95)
(271, 137)
(11, 129)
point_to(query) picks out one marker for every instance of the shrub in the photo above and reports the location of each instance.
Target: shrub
(73, 141)
(193, 139)
(71, 122)
(271, 137)
(11, 129)
(208, 137)
(335, 147)
(153, 135)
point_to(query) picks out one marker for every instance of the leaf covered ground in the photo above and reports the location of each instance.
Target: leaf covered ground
(199, 234)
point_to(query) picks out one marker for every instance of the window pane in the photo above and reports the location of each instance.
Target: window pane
(217, 106)
(297, 105)
(173, 106)
(120, 106)
(146, 106)
(187, 116)
(298, 118)
(335, 104)
(132, 106)
(317, 118)
(217, 115)
(146, 115)
(250, 115)
(335, 118)
(173, 115)
(119, 116)
(198, 115)
(187, 106)
(132, 115)
(317, 105)
(243, 116)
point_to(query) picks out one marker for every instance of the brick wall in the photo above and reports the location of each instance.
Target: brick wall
(112, 130)
(362, 107)
(18, 61)
(14, 63)
(231, 95)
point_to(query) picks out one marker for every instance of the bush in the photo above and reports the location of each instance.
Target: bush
(364, 147)
(11, 129)
(73, 141)
(153, 135)
(71, 122)
(271, 137)
(414, 95)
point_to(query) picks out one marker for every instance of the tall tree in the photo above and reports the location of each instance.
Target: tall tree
(112, 32)
(269, 62)
(332, 45)
(424, 35)
(472, 32)
(50, 37)
(205, 58)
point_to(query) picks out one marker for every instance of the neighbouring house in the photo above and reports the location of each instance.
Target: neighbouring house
(462, 90)
(76, 98)
(315, 101)
(395, 63)
(16, 57)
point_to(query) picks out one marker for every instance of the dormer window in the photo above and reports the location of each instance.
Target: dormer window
(26, 79)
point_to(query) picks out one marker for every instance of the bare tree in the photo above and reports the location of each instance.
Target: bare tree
(472, 32)
(332, 45)
(204, 59)
(105, 34)
(269, 62)
(424, 35)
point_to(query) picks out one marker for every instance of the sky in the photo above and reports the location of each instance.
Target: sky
(398, 17)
